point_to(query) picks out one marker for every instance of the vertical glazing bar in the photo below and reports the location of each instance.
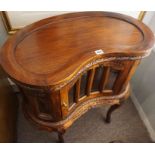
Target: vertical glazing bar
(105, 78)
(90, 81)
(77, 91)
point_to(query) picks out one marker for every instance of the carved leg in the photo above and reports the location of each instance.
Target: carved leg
(60, 136)
(111, 109)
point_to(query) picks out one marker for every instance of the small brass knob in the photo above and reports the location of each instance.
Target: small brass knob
(65, 104)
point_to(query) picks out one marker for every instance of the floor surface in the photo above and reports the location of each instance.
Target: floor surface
(126, 127)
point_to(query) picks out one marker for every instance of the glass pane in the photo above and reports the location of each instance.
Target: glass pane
(44, 105)
(83, 85)
(112, 77)
(72, 95)
(97, 78)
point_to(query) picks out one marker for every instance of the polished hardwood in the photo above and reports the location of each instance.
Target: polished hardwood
(67, 64)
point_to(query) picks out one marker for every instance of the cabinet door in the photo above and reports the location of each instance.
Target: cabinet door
(8, 111)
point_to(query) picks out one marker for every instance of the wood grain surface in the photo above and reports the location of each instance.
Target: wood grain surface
(52, 50)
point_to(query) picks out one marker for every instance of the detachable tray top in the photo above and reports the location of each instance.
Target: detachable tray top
(54, 49)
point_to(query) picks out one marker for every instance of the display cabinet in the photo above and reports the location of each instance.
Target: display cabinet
(67, 64)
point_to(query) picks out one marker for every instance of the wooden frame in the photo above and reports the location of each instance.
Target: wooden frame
(12, 30)
(7, 23)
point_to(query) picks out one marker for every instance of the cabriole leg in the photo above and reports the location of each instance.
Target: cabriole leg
(60, 136)
(111, 109)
